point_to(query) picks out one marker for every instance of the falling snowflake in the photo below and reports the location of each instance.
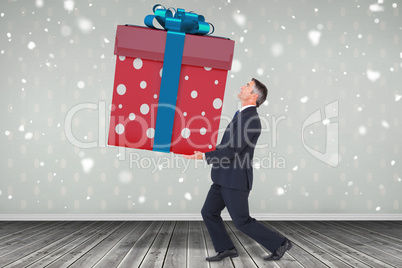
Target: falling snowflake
(31, 45)
(314, 37)
(187, 196)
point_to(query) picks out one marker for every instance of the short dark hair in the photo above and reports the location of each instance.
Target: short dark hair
(261, 90)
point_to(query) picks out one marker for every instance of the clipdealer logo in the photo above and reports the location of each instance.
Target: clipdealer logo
(329, 156)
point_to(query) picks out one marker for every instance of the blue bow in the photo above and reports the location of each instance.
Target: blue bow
(180, 21)
(177, 26)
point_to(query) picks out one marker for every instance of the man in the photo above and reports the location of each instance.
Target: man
(232, 176)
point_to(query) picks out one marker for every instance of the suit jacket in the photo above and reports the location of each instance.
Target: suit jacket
(232, 159)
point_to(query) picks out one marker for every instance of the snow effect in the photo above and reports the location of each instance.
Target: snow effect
(280, 191)
(28, 135)
(236, 66)
(81, 84)
(71, 31)
(373, 75)
(39, 3)
(141, 199)
(362, 130)
(376, 8)
(69, 5)
(240, 19)
(277, 49)
(187, 196)
(85, 25)
(314, 37)
(31, 45)
(385, 124)
(304, 99)
(65, 30)
(87, 164)
(326, 122)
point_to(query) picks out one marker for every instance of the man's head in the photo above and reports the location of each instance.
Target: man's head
(254, 93)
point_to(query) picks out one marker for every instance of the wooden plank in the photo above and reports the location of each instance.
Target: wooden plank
(227, 262)
(380, 231)
(176, 256)
(11, 228)
(156, 254)
(35, 243)
(117, 253)
(197, 251)
(360, 243)
(138, 251)
(376, 245)
(317, 249)
(187, 244)
(306, 254)
(253, 249)
(81, 249)
(23, 236)
(46, 249)
(82, 236)
(339, 249)
(96, 253)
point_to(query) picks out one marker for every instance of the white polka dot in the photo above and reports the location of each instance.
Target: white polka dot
(217, 103)
(203, 130)
(137, 63)
(185, 133)
(143, 84)
(121, 89)
(132, 116)
(150, 133)
(185, 114)
(216, 82)
(122, 58)
(186, 77)
(144, 108)
(203, 113)
(194, 94)
(160, 72)
(155, 96)
(210, 146)
(119, 129)
(208, 68)
(120, 106)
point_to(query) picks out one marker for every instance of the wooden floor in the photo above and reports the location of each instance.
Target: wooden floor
(186, 244)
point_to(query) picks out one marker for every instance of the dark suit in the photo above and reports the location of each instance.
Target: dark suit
(232, 176)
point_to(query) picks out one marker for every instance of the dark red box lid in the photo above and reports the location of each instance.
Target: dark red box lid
(147, 43)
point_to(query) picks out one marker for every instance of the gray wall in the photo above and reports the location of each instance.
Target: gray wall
(331, 141)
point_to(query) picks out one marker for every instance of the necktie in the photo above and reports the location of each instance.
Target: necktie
(237, 112)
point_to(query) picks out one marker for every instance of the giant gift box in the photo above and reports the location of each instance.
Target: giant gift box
(160, 103)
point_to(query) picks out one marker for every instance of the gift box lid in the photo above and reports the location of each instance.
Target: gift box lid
(147, 43)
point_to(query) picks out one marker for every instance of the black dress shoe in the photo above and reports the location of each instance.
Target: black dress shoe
(221, 255)
(280, 251)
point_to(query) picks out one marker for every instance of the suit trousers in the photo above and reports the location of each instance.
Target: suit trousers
(236, 202)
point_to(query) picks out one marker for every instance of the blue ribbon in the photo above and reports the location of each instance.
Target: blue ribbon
(177, 25)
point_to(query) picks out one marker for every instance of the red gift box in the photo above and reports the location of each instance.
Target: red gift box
(139, 61)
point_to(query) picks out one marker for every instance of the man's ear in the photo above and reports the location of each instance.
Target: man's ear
(255, 96)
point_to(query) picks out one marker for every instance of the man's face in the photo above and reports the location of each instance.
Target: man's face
(246, 91)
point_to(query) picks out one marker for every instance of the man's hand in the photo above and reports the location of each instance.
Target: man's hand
(196, 155)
